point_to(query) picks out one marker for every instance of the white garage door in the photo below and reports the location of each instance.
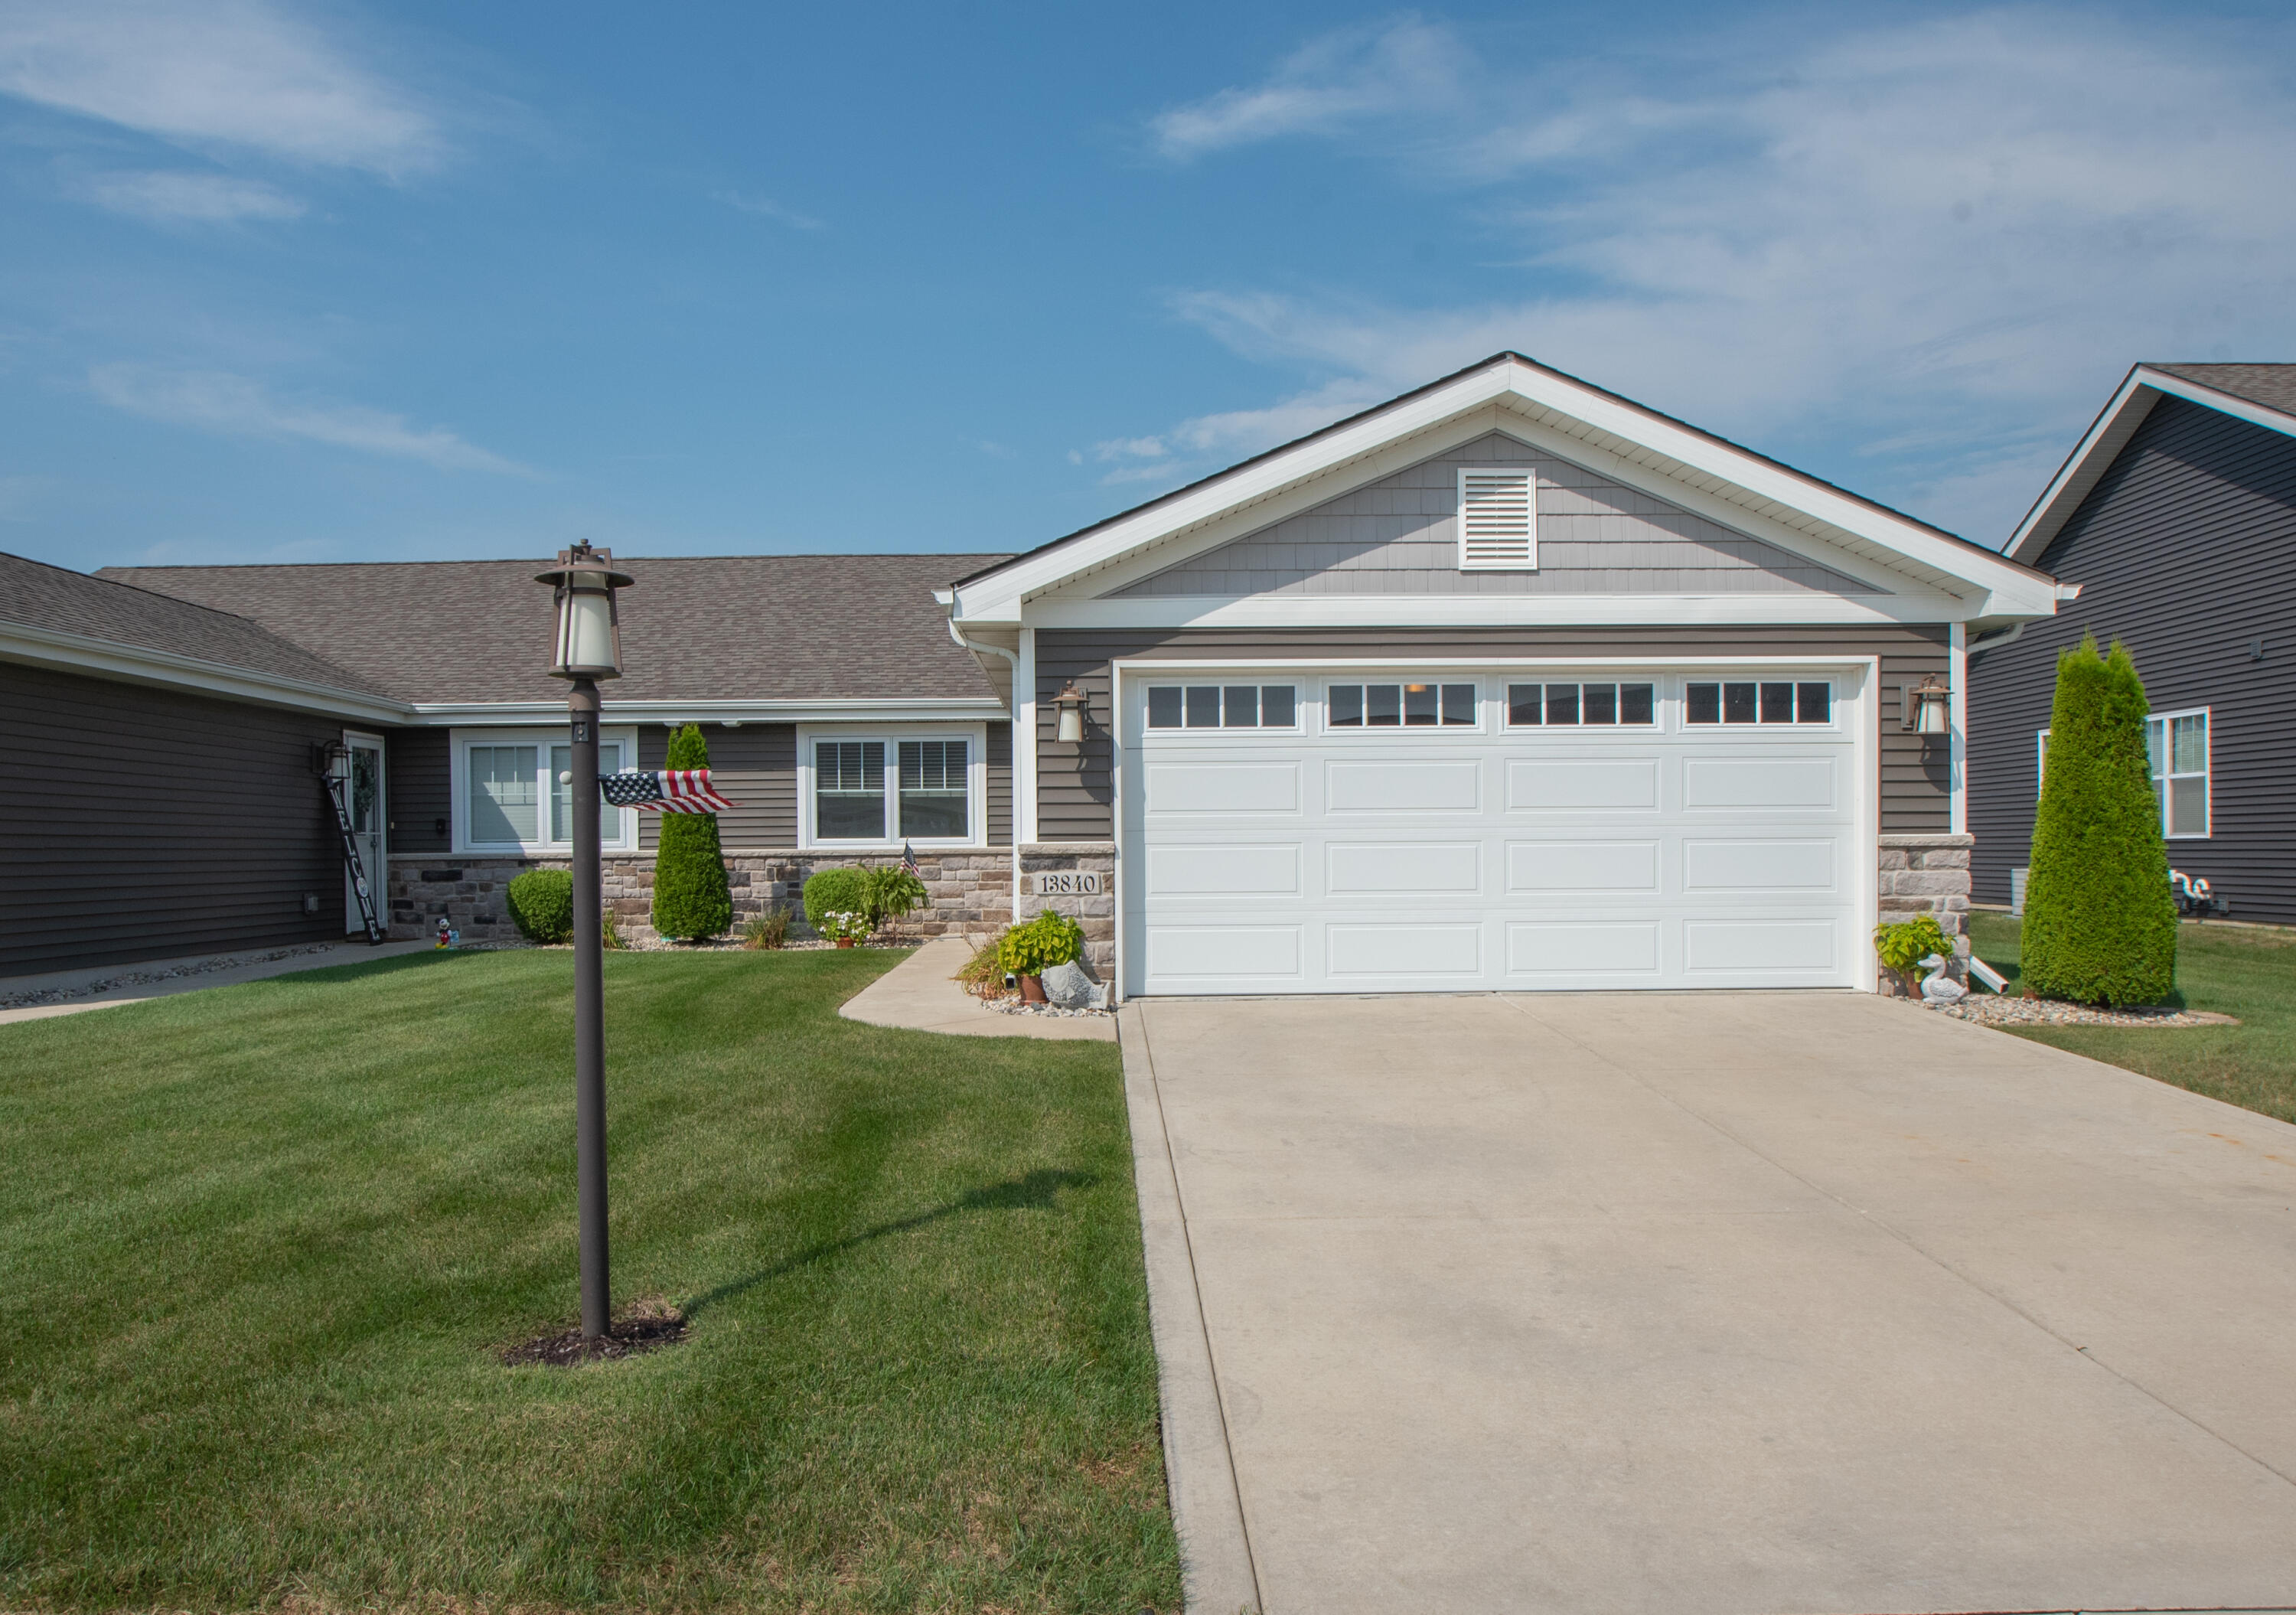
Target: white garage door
(1440, 830)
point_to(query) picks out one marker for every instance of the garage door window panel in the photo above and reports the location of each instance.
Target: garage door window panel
(1582, 706)
(1412, 705)
(1223, 707)
(1764, 703)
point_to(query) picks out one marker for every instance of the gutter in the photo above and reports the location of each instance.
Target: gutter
(139, 664)
(1013, 660)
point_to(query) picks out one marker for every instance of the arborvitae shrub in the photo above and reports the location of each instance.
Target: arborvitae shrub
(2100, 921)
(541, 901)
(692, 897)
(835, 892)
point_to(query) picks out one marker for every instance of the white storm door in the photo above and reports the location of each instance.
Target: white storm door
(365, 798)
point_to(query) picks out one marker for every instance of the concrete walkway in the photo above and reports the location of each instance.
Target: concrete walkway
(921, 994)
(233, 969)
(1750, 1304)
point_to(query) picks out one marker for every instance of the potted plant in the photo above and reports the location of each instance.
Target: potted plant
(1027, 951)
(1903, 945)
(844, 927)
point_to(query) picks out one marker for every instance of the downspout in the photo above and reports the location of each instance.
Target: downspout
(1012, 706)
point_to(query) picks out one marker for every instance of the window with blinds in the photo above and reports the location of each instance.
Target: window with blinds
(848, 790)
(1498, 523)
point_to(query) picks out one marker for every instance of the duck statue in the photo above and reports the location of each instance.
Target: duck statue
(1937, 986)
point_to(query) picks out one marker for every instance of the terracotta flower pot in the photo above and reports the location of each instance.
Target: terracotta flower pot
(1032, 989)
(844, 941)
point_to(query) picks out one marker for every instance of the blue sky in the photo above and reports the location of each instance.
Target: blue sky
(297, 281)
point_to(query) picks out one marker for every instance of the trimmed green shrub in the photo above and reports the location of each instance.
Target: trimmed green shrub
(1033, 948)
(2100, 921)
(692, 897)
(541, 901)
(834, 891)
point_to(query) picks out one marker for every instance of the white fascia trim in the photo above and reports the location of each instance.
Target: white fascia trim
(1488, 610)
(2110, 434)
(1957, 702)
(78, 652)
(936, 710)
(999, 597)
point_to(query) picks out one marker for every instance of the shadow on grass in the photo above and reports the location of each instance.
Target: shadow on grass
(1036, 1192)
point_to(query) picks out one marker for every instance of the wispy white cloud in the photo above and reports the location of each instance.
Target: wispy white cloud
(241, 74)
(1978, 219)
(1207, 440)
(764, 206)
(172, 196)
(1338, 82)
(236, 405)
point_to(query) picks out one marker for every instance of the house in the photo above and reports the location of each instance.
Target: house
(2176, 514)
(160, 725)
(1507, 683)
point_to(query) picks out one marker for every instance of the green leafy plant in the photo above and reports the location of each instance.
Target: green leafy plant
(1902, 947)
(609, 938)
(692, 897)
(769, 929)
(888, 893)
(541, 903)
(843, 925)
(2100, 921)
(983, 974)
(1032, 948)
(835, 892)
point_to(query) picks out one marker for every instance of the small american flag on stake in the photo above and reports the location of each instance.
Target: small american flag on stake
(662, 791)
(908, 858)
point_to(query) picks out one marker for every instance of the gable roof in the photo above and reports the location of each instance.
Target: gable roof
(696, 629)
(53, 606)
(2264, 395)
(1601, 421)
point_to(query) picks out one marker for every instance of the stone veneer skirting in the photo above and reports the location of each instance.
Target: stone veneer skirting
(969, 893)
(1096, 915)
(1926, 875)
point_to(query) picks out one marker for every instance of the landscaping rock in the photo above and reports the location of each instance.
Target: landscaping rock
(1068, 986)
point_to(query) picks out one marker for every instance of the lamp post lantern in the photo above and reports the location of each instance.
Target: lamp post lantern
(589, 648)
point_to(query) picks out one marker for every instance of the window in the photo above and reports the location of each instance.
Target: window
(1222, 705)
(2176, 750)
(934, 803)
(2040, 763)
(1428, 705)
(508, 794)
(1777, 702)
(1498, 519)
(882, 791)
(1548, 705)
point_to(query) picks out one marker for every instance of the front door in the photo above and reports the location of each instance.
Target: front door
(365, 801)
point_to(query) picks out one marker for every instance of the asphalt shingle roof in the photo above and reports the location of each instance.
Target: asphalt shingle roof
(2274, 386)
(36, 596)
(709, 628)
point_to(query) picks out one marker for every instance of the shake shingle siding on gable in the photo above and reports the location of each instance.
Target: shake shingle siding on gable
(1400, 535)
(2185, 549)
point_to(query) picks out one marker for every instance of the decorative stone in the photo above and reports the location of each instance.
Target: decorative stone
(1067, 987)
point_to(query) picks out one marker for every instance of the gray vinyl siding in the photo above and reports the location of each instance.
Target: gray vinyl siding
(143, 823)
(1400, 535)
(2185, 549)
(1075, 788)
(754, 766)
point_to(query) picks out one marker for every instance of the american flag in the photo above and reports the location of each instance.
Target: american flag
(662, 791)
(908, 858)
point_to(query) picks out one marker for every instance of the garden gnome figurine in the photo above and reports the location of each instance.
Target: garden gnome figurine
(1937, 986)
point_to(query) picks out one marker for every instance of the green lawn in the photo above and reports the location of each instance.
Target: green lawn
(261, 1244)
(2251, 974)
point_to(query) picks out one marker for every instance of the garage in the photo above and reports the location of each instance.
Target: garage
(1519, 826)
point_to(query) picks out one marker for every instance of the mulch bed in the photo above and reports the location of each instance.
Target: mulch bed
(1990, 1009)
(644, 1326)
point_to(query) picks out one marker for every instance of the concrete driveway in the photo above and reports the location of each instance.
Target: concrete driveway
(1747, 1302)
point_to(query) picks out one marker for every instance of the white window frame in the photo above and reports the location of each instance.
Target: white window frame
(976, 782)
(2040, 762)
(1528, 560)
(617, 827)
(1298, 726)
(1733, 676)
(2169, 771)
(1325, 726)
(1501, 699)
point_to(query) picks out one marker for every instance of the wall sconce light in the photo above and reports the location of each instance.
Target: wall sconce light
(1069, 703)
(1927, 708)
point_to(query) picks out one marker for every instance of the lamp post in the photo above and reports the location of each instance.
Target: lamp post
(589, 649)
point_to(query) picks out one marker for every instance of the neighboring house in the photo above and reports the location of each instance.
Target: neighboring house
(2176, 516)
(159, 723)
(1507, 683)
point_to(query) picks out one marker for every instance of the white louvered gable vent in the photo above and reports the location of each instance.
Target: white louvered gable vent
(1498, 519)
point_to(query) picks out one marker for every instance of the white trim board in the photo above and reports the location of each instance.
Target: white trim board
(137, 664)
(1492, 611)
